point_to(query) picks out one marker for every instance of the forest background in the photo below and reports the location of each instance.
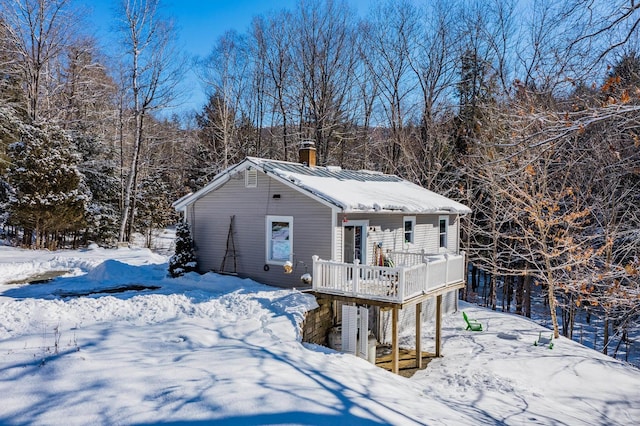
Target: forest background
(527, 112)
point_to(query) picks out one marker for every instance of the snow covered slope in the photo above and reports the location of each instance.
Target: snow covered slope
(212, 348)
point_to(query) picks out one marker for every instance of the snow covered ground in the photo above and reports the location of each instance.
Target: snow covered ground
(207, 348)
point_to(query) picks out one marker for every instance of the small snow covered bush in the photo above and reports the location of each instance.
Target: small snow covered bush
(184, 259)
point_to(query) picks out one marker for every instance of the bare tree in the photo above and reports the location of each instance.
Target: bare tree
(366, 96)
(394, 32)
(87, 99)
(608, 25)
(431, 159)
(324, 66)
(226, 73)
(154, 70)
(550, 218)
(273, 40)
(38, 32)
(608, 286)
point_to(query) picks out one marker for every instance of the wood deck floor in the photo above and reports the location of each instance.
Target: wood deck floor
(407, 361)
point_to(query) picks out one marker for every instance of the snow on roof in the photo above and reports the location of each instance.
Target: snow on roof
(363, 190)
(352, 191)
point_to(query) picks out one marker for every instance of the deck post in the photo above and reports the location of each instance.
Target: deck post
(419, 335)
(395, 350)
(447, 265)
(426, 277)
(438, 324)
(316, 272)
(356, 276)
(400, 285)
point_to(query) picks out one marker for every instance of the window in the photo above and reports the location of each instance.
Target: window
(443, 228)
(279, 239)
(409, 229)
(251, 178)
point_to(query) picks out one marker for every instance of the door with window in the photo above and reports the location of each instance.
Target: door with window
(355, 241)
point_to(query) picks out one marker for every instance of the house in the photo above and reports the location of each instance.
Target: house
(360, 237)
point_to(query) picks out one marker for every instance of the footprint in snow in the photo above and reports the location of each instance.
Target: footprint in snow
(264, 319)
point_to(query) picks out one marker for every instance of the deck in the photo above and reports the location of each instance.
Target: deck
(414, 276)
(407, 364)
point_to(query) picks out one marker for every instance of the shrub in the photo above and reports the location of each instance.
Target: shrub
(184, 259)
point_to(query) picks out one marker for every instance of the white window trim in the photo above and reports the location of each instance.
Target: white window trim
(365, 231)
(268, 227)
(411, 219)
(444, 248)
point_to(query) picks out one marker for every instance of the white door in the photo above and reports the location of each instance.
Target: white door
(355, 330)
(355, 241)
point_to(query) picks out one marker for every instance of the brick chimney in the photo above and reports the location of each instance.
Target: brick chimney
(307, 153)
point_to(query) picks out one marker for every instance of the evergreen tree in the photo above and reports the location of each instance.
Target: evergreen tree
(9, 124)
(153, 206)
(99, 169)
(476, 90)
(217, 146)
(48, 194)
(184, 259)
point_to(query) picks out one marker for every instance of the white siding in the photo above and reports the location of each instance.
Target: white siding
(337, 231)
(388, 229)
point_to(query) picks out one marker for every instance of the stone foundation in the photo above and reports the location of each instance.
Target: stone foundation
(318, 322)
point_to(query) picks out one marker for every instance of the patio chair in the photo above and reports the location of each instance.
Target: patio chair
(472, 324)
(544, 341)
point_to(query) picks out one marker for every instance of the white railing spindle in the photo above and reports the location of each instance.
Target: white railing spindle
(412, 275)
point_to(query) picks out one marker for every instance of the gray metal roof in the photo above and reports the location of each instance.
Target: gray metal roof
(330, 172)
(348, 190)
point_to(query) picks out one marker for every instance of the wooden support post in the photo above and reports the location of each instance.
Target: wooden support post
(395, 350)
(418, 335)
(438, 324)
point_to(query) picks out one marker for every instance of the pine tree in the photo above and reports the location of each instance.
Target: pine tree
(184, 259)
(9, 124)
(48, 194)
(100, 172)
(153, 206)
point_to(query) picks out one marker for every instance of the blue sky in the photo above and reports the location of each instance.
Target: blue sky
(200, 23)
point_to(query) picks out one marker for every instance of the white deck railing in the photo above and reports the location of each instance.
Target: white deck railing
(413, 274)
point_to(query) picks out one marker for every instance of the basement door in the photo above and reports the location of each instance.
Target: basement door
(355, 241)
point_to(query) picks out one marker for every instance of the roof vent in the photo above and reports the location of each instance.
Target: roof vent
(307, 153)
(251, 178)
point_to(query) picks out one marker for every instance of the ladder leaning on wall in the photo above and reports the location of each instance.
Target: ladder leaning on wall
(230, 251)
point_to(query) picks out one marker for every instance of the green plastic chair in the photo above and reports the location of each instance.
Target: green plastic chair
(544, 341)
(472, 324)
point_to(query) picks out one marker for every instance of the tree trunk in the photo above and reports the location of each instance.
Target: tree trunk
(493, 293)
(527, 296)
(484, 287)
(509, 292)
(133, 173)
(552, 302)
(605, 343)
(572, 319)
(130, 183)
(474, 278)
(519, 294)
